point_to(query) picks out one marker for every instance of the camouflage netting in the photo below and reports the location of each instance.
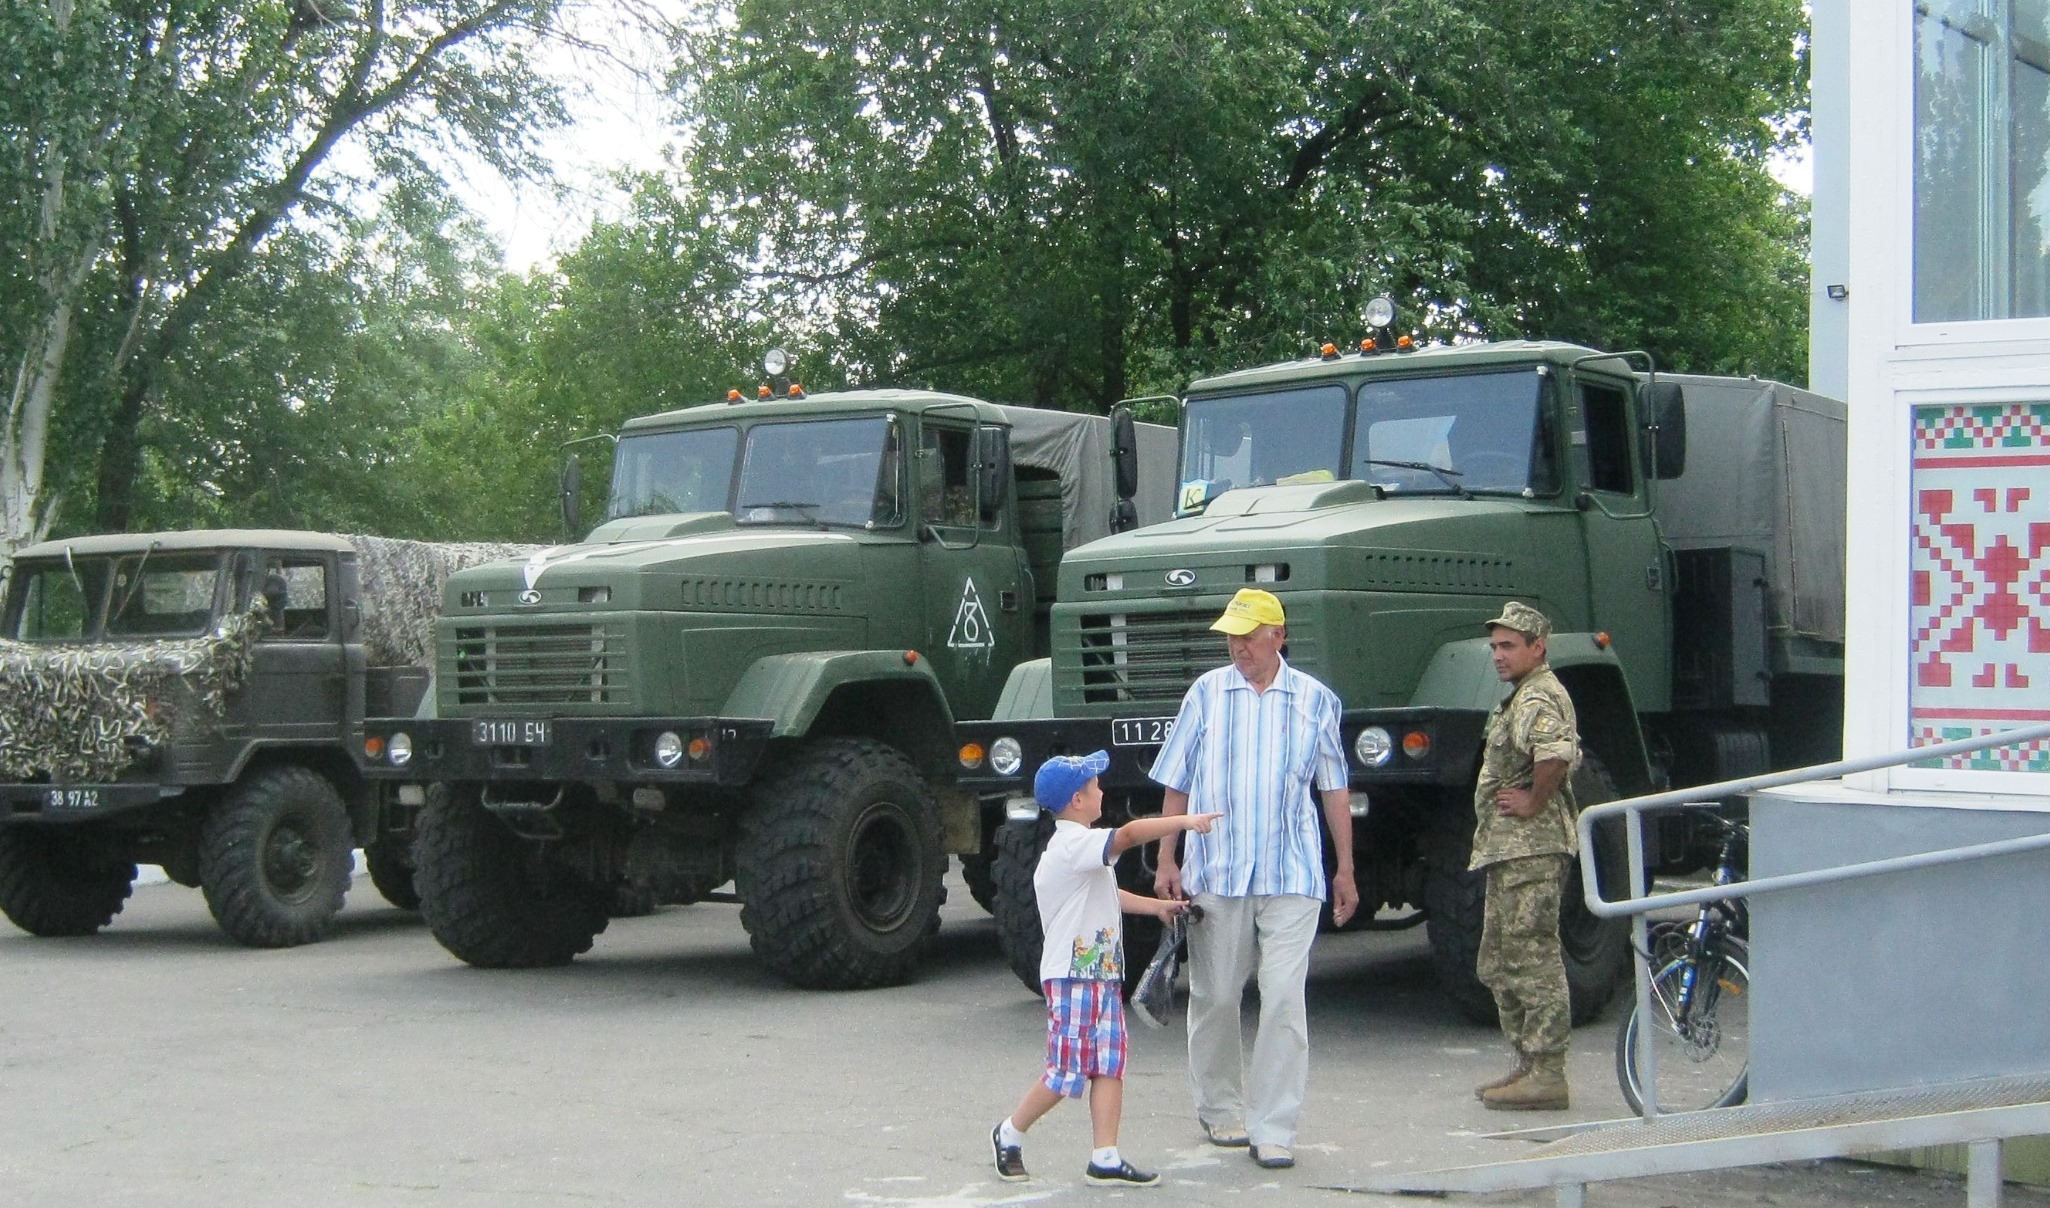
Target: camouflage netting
(402, 583)
(69, 712)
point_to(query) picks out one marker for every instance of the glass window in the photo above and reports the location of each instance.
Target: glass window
(838, 471)
(946, 497)
(1258, 440)
(1604, 411)
(666, 473)
(1982, 159)
(57, 602)
(1472, 432)
(162, 595)
(295, 592)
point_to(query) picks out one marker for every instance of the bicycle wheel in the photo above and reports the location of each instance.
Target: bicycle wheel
(1704, 1060)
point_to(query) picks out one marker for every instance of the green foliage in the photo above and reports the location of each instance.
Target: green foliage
(1066, 201)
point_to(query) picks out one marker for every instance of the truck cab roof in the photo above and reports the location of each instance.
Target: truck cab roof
(188, 539)
(1426, 359)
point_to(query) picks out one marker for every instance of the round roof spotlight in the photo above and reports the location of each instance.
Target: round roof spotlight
(775, 361)
(1380, 312)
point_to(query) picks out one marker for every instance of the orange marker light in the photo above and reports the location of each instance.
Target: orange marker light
(1367, 345)
(1602, 639)
(763, 391)
(1416, 744)
(1329, 351)
(796, 391)
(910, 657)
(733, 396)
(1403, 342)
(700, 749)
(373, 746)
(971, 755)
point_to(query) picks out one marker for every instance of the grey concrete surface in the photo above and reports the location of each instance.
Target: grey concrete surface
(159, 1064)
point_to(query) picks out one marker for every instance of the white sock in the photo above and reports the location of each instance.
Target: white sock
(1008, 1133)
(1106, 1158)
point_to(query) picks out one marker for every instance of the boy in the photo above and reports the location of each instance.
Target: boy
(1082, 964)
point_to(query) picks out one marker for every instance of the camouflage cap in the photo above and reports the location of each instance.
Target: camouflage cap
(1523, 619)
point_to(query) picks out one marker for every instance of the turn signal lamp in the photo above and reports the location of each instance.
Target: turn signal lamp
(971, 755)
(700, 749)
(910, 657)
(1602, 639)
(373, 747)
(1416, 744)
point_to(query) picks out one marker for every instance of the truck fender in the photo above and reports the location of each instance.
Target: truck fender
(1028, 693)
(791, 690)
(1462, 676)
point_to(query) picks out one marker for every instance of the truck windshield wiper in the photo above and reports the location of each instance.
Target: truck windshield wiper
(1446, 475)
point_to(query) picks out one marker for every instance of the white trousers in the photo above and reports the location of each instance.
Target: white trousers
(1236, 937)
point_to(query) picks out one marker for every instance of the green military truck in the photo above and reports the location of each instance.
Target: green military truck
(195, 700)
(1684, 533)
(749, 671)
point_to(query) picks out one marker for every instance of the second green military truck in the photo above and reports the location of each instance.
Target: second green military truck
(749, 671)
(1685, 535)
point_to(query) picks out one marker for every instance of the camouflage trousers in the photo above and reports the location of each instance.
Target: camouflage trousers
(1520, 958)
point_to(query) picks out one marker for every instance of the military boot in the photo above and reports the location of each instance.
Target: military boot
(1541, 1089)
(1516, 1071)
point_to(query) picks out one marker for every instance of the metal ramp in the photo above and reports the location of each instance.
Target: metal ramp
(1979, 1114)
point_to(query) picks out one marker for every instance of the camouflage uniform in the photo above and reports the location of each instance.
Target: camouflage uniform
(1526, 859)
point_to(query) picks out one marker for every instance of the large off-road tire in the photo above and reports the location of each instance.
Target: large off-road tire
(979, 871)
(1017, 905)
(275, 855)
(839, 867)
(391, 870)
(60, 882)
(496, 900)
(1597, 950)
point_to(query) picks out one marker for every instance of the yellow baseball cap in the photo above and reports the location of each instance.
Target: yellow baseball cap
(1249, 610)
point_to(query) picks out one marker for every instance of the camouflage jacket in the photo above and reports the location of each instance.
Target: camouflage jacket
(1533, 724)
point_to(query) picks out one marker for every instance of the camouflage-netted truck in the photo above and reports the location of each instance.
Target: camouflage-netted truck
(194, 699)
(1685, 535)
(749, 671)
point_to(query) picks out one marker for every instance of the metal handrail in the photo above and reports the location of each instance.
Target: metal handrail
(1637, 907)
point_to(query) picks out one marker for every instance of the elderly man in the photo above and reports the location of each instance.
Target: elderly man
(1258, 742)
(1524, 839)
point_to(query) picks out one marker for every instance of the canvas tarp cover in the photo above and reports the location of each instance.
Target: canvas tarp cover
(69, 712)
(1765, 472)
(1077, 447)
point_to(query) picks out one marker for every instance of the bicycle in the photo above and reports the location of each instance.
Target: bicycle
(1700, 998)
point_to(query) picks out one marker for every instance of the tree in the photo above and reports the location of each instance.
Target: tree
(1066, 201)
(159, 144)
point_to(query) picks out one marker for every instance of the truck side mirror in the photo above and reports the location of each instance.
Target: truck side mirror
(1665, 430)
(1124, 452)
(573, 494)
(993, 465)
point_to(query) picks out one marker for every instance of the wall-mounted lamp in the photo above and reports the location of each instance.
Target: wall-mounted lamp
(1837, 293)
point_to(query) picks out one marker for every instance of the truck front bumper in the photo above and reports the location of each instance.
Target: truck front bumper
(1426, 746)
(715, 750)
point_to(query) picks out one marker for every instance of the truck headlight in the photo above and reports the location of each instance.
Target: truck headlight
(668, 748)
(1006, 757)
(1373, 747)
(399, 749)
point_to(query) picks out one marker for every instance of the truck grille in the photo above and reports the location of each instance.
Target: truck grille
(1134, 657)
(541, 663)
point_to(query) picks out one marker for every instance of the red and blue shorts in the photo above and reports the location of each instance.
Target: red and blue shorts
(1085, 1033)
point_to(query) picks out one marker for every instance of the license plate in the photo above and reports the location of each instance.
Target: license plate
(1140, 731)
(71, 799)
(519, 732)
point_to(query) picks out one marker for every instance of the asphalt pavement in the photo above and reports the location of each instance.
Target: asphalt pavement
(159, 1064)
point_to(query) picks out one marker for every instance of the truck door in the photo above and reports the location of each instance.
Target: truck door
(972, 584)
(296, 687)
(1627, 589)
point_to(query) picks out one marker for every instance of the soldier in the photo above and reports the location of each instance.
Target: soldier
(1524, 839)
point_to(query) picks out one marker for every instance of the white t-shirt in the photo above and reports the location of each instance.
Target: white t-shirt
(1078, 906)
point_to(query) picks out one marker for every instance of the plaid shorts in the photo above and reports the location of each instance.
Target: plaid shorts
(1085, 1033)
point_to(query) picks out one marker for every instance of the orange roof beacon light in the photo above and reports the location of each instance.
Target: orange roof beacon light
(1329, 352)
(733, 396)
(1368, 347)
(763, 391)
(796, 391)
(1405, 343)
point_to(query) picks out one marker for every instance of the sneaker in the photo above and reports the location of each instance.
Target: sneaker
(1124, 1174)
(1010, 1159)
(1273, 1157)
(1229, 1136)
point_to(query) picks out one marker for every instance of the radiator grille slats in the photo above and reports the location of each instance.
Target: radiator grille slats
(541, 663)
(1132, 657)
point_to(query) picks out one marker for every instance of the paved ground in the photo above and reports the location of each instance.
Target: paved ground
(159, 1064)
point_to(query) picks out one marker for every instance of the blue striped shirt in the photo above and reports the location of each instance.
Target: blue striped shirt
(1255, 757)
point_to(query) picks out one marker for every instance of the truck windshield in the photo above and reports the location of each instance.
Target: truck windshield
(828, 471)
(1256, 440)
(1471, 432)
(134, 596)
(664, 473)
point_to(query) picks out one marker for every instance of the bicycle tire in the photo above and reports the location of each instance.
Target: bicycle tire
(1711, 1065)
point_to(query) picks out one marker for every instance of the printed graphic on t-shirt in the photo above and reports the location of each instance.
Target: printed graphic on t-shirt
(1098, 960)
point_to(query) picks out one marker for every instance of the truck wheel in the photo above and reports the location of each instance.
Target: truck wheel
(275, 856)
(1017, 905)
(494, 899)
(1597, 950)
(59, 884)
(839, 867)
(980, 872)
(391, 870)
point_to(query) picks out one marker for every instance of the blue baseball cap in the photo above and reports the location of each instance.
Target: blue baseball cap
(1062, 776)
